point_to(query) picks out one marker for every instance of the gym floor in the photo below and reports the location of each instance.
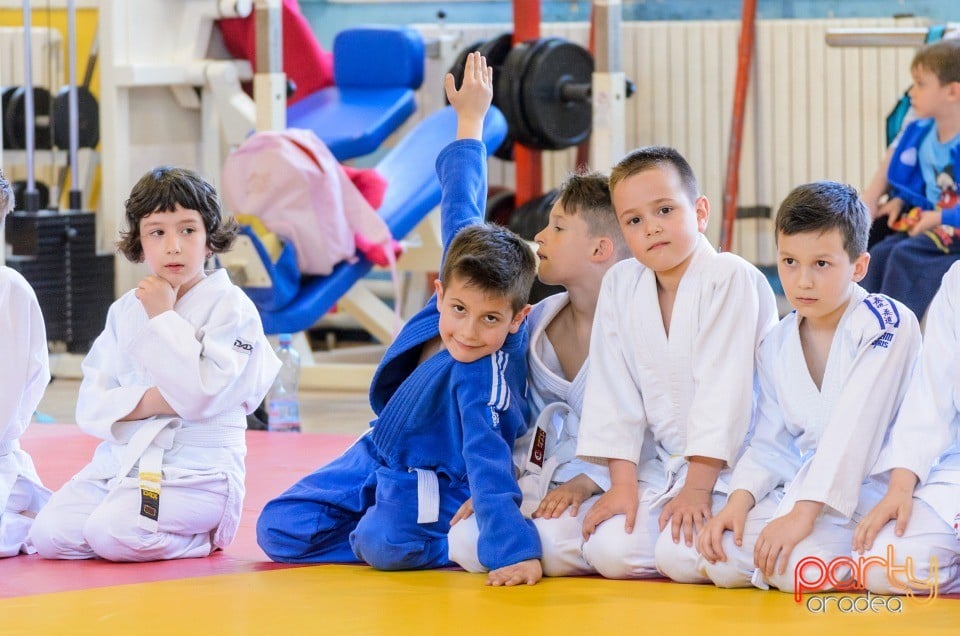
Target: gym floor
(238, 591)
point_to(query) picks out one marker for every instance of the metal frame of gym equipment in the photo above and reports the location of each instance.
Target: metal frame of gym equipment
(139, 61)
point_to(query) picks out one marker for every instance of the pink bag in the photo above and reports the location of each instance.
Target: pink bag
(291, 181)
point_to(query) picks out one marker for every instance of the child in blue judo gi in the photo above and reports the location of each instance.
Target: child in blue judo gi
(449, 399)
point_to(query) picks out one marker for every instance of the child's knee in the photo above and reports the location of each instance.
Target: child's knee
(389, 546)
(52, 538)
(677, 561)
(561, 542)
(615, 554)
(462, 542)
(726, 574)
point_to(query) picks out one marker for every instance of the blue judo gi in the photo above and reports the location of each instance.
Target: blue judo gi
(444, 432)
(909, 268)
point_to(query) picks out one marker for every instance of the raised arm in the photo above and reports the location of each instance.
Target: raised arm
(462, 165)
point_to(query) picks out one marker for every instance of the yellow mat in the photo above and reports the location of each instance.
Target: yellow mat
(333, 600)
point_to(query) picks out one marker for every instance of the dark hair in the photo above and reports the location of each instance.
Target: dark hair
(655, 157)
(494, 259)
(162, 190)
(587, 194)
(823, 206)
(940, 58)
(6, 196)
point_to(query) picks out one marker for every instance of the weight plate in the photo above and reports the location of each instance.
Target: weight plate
(557, 122)
(510, 90)
(496, 51)
(88, 119)
(15, 115)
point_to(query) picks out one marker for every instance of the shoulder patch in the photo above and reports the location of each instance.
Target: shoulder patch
(884, 309)
(887, 315)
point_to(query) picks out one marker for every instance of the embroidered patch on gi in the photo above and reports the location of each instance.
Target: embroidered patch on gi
(539, 447)
(883, 308)
(242, 346)
(909, 157)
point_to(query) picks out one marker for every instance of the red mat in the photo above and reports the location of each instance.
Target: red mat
(274, 462)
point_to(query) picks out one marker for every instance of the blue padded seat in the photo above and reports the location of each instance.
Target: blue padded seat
(412, 191)
(376, 71)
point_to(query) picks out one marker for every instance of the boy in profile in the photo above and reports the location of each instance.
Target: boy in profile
(581, 242)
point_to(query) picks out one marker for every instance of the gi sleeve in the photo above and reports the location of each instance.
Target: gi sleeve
(103, 398)
(25, 374)
(462, 170)
(203, 372)
(922, 430)
(723, 364)
(771, 457)
(483, 398)
(614, 419)
(862, 413)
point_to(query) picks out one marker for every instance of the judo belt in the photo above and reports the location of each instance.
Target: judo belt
(147, 446)
(428, 496)
(545, 453)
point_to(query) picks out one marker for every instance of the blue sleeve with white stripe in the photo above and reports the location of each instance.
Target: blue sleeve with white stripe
(490, 419)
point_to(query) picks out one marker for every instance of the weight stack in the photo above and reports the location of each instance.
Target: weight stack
(56, 253)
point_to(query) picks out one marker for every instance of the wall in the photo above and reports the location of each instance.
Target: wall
(330, 16)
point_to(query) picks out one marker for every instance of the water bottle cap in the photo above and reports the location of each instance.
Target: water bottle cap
(284, 338)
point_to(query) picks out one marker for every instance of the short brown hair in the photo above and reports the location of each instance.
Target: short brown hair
(940, 58)
(823, 206)
(162, 190)
(656, 157)
(494, 259)
(587, 195)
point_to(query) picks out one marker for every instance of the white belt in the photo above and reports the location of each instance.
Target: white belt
(147, 446)
(428, 496)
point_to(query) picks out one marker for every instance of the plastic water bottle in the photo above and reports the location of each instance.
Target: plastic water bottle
(283, 404)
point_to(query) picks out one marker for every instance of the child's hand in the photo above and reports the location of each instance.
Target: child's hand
(156, 295)
(897, 504)
(687, 512)
(473, 99)
(465, 511)
(619, 500)
(928, 220)
(528, 572)
(568, 495)
(733, 516)
(782, 535)
(892, 209)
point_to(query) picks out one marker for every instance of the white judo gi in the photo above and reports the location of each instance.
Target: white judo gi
(819, 444)
(925, 439)
(24, 374)
(213, 365)
(546, 455)
(689, 394)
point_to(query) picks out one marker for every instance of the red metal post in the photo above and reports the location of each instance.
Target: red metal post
(744, 59)
(527, 162)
